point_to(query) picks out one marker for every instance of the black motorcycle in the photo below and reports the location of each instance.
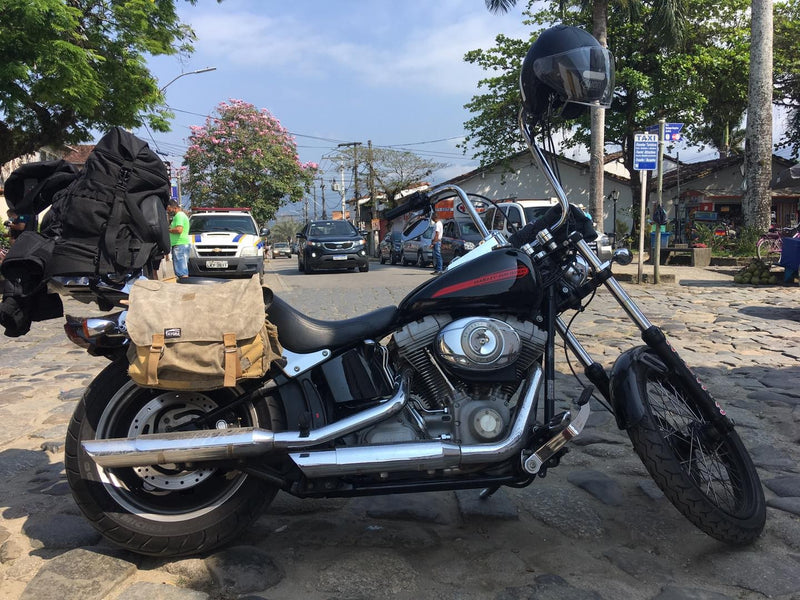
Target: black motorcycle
(452, 389)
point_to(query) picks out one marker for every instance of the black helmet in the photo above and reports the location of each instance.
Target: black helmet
(566, 66)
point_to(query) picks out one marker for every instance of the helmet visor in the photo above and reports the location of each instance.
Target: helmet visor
(582, 75)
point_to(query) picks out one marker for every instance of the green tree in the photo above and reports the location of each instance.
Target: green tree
(654, 79)
(390, 170)
(285, 231)
(786, 62)
(244, 156)
(69, 67)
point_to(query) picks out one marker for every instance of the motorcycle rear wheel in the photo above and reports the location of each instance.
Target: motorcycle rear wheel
(706, 474)
(167, 510)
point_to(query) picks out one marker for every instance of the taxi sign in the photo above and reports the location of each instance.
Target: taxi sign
(645, 151)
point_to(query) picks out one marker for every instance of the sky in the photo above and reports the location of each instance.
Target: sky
(332, 72)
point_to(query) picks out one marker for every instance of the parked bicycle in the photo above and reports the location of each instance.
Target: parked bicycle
(770, 245)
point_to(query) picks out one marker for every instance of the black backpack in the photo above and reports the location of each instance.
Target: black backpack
(111, 221)
(106, 223)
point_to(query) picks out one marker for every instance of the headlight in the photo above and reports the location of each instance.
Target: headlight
(250, 251)
(360, 242)
(576, 272)
(192, 251)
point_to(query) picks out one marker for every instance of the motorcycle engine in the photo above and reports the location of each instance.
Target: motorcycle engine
(466, 377)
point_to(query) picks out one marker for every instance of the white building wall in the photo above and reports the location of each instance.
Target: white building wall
(527, 181)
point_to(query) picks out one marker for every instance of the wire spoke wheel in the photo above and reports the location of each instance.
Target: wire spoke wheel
(701, 451)
(702, 467)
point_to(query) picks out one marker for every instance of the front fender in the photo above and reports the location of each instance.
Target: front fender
(626, 393)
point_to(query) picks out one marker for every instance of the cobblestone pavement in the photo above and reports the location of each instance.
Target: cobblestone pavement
(595, 528)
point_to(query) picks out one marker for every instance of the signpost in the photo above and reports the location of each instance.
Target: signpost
(672, 131)
(645, 151)
(645, 158)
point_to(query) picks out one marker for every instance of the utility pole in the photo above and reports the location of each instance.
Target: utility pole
(322, 188)
(355, 146)
(373, 200)
(314, 191)
(339, 187)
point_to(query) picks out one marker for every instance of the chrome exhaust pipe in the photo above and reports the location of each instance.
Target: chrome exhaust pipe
(223, 444)
(422, 456)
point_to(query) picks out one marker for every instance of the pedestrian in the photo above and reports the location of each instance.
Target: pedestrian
(436, 244)
(16, 224)
(179, 239)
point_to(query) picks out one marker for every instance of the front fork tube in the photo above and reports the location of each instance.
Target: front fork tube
(651, 335)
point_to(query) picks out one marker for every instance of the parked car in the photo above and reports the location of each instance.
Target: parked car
(417, 250)
(391, 247)
(280, 249)
(331, 245)
(459, 237)
(508, 217)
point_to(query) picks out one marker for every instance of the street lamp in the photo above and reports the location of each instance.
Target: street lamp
(614, 197)
(198, 71)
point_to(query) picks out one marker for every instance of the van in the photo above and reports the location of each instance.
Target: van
(508, 217)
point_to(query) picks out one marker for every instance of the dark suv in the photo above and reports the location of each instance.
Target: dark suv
(331, 245)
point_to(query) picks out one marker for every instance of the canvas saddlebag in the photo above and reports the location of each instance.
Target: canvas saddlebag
(199, 337)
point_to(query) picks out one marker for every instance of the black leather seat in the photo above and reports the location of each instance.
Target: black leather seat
(303, 334)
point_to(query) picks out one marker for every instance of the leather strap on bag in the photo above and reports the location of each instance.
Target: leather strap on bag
(233, 368)
(156, 348)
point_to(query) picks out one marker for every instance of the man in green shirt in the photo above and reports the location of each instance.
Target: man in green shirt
(179, 239)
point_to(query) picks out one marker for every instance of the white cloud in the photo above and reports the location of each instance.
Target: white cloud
(428, 55)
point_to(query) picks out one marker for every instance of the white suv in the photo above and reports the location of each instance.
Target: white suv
(226, 242)
(521, 212)
(517, 213)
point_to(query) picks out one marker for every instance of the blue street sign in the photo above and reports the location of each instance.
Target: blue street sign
(174, 192)
(645, 151)
(672, 131)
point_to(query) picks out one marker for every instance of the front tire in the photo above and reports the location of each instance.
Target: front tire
(706, 473)
(162, 510)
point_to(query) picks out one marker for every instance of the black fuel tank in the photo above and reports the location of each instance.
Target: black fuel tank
(503, 279)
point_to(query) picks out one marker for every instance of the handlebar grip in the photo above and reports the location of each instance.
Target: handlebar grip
(415, 201)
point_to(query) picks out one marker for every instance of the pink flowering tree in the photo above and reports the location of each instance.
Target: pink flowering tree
(244, 157)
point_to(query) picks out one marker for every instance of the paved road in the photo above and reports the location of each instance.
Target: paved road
(596, 528)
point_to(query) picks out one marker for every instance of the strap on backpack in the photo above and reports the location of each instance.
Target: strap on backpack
(115, 219)
(233, 368)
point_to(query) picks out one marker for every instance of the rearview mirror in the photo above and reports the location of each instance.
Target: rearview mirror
(416, 228)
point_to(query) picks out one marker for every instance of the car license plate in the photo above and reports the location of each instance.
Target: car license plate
(340, 257)
(217, 264)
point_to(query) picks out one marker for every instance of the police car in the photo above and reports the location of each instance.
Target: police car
(226, 242)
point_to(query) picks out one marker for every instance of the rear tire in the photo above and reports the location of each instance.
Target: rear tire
(707, 474)
(167, 510)
(420, 259)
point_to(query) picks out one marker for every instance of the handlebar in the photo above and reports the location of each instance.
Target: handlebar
(427, 200)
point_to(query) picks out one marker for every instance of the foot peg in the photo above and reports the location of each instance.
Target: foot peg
(535, 461)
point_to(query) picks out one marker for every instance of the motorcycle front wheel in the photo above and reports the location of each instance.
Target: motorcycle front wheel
(162, 510)
(707, 474)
